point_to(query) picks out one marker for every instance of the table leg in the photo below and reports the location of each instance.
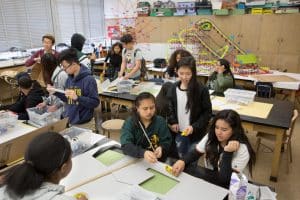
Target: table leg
(293, 96)
(276, 155)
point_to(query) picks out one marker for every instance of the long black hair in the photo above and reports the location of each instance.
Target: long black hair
(137, 102)
(49, 63)
(162, 101)
(238, 133)
(193, 94)
(173, 63)
(45, 154)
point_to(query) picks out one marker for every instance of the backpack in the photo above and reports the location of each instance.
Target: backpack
(144, 75)
(159, 63)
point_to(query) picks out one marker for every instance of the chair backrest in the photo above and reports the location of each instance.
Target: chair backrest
(290, 131)
(264, 90)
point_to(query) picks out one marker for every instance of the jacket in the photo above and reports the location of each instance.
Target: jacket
(81, 110)
(220, 82)
(37, 54)
(134, 143)
(200, 112)
(33, 98)
(47, 191)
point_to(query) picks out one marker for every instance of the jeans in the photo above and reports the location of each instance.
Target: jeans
(182, 144)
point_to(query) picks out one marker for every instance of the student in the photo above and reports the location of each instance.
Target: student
(226, 149)
(190, 107)
(55, 77)
(131, 59)
(222, 78)
(48, 42)
(77, 42)
(162, 101)
(31, 94)
(81, 94)
(47, 161)
(133, 140)
(115, 60)
(173, 62)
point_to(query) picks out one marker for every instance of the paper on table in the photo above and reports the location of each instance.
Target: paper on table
(159, 183)
(266, 193)
(137, 193)
(109, 157)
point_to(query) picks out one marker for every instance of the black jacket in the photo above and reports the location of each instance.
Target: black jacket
(33, 98)
(200, 112)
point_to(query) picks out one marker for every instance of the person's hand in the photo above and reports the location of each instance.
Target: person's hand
(158, 152)
(120, 74)
(232, 146)
(71, 94)
(188, 130)
(125, 77)
(150, 157)
(38, 59)
(41, 105)
(175, 128)
(178, 167)
(52, 108)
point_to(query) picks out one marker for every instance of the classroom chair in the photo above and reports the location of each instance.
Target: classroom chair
(112, 126)
(287, 139)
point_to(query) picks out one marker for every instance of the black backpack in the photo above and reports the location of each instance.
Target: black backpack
(143, 65)
(159, 63)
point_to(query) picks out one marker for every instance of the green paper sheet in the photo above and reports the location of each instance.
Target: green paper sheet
(109, 157)
(159, 183)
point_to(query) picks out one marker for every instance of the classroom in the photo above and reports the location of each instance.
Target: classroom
(149, 100)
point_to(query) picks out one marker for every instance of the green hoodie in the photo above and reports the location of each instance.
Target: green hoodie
(220, 82)
(134, 143)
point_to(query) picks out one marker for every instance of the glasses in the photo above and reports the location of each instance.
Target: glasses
(65, 68)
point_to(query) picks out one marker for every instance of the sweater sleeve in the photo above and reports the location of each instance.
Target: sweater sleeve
(206, 112)
(191, 156)
(127, 141)
(31, 61)
(222, 82)
(91, 97)
(225, 170)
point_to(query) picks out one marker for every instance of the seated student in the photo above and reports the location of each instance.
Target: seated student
(115, 60)
(131, 59)
(81, 94)
(135, 143)
(77, 42)
(173, 62)
(55, 77)
(47, 161)
(190, 107)
(226, 149)
(222, 78)
(31, 94)
(162, 101)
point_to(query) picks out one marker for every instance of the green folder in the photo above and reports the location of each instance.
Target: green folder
(159, 183)
(109, 157)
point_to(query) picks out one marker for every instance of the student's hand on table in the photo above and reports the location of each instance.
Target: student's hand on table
(158, 152)
(52, 108)
(71, 94)
(232, 146)
(41, 105)
(150, 157)
(175, 128)
(178, 167)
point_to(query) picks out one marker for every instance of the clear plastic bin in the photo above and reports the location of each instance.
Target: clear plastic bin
(243, 97)
(124, 86)
(7, 120)
(41, 117)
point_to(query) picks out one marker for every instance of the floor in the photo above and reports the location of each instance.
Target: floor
(287, 187)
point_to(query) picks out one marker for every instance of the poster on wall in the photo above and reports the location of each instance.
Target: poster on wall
(114, 32)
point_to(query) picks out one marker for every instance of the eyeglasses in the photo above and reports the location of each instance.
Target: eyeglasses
(65, 68)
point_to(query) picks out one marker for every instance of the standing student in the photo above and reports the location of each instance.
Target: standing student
(222, 78)
(115, 60)
(47, 161)
(226, 149)
(190, 107)
(77, 42)
(173, 62)
(81, 94)
(145, 135)
(131, 59)
(48, 42)
(30, 96)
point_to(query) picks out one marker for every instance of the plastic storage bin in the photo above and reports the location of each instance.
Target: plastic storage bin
(7, 120)
(243, 97)
(40, 117)
(124, 86)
